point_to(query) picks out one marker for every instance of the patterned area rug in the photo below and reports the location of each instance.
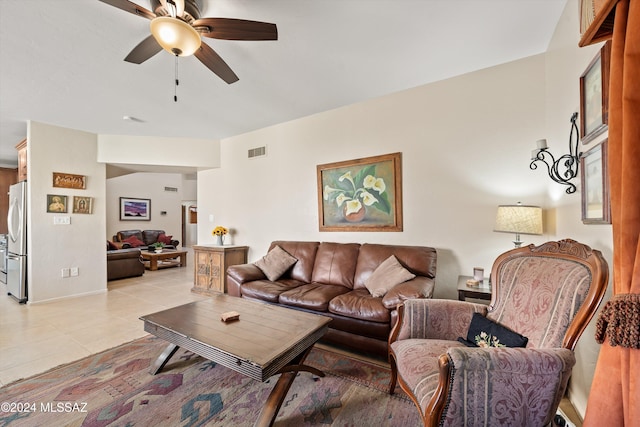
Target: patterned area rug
(114, 388)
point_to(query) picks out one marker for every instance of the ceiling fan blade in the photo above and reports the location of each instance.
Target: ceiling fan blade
(236, 29)
(145, 50)
(130, 7)
(215, 63)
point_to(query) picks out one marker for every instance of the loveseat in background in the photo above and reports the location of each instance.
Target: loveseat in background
(329, 279)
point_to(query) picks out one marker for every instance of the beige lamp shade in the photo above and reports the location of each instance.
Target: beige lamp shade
(519, 219)
(175, 36)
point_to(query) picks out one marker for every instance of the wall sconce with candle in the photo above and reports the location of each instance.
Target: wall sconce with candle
(569, 162)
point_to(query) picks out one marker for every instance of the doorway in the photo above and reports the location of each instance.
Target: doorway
(189, 223)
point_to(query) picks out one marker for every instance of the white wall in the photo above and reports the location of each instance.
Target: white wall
(152, 150)
(465, 144)
(80, 244)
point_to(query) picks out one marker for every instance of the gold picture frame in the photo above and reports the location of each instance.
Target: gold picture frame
(361, 195)
(68, 180)
(82, 205)
(56, 203)
(596, 206)
(594, 95)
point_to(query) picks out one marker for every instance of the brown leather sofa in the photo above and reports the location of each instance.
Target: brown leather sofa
(147, 237)
(329, 279)
(122, 263)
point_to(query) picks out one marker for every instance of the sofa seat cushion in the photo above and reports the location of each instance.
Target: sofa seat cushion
(360, 304)
(312, 296)
(265, 290)
(418, 365)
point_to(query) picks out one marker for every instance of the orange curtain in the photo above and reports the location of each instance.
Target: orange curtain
(615, 393)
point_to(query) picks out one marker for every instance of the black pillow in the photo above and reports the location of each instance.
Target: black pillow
(484, 332)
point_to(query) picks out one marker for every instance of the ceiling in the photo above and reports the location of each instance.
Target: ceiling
(62, 61)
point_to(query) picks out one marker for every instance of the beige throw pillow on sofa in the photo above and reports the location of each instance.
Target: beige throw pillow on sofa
(275, 263)
(386, 276)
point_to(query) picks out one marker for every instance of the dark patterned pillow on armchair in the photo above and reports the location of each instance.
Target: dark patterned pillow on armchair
(484, 332)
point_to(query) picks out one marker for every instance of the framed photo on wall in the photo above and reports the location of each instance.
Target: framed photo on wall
(82, 205)
(594, 95)
(68, 180)
(132, 209)
(361, 195)
(596, 208)
(56, 203)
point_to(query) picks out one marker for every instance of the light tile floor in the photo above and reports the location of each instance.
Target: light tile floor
(38, 337)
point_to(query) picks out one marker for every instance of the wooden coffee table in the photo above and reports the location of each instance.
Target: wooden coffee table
(266, 340)
(166, 258)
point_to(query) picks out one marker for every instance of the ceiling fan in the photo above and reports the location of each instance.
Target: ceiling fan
(176, 27)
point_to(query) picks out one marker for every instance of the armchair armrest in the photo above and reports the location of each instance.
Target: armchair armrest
(239, 274)
(419, 287)
(434, 319)
(507, 386)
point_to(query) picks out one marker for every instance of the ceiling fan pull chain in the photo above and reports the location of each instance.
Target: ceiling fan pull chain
(175, 88)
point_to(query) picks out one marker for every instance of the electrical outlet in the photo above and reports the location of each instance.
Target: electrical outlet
(74, 271)
(65, 272)
(561, 419)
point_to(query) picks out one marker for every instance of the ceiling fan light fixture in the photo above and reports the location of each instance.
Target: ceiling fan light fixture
(175, 36)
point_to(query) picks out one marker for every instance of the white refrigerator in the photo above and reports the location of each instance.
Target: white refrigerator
(17, 242)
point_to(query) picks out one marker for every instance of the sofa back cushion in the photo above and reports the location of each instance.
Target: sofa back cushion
(151, 236)
(305, 253)
(125, 234)
(419, 260)
(336, 263)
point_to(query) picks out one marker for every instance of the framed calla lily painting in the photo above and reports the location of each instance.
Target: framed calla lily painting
(361, 195)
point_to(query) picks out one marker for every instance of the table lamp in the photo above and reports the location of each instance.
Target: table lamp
(519, 219)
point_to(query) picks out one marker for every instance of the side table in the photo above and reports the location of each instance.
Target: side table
(480, 292)
(210, 266)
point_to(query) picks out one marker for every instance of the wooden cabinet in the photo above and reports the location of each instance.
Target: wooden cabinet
(22, 160)
(210, 265)
(8, 177)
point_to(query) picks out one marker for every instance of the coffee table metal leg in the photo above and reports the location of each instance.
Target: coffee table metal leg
(288, 373)
(164, 358)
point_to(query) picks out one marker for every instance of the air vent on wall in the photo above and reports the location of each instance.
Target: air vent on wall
(257, 152)
(174, 189)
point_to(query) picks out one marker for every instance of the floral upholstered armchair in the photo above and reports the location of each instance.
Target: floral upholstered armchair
(546, 294)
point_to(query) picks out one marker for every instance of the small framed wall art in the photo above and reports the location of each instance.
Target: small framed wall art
(56, 203)
(67, 180)
(596, 208)
(361, 195)
(82, 205)
(594, 95)
(132, 209)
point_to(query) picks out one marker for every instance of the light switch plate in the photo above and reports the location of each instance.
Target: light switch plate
(62, 220)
